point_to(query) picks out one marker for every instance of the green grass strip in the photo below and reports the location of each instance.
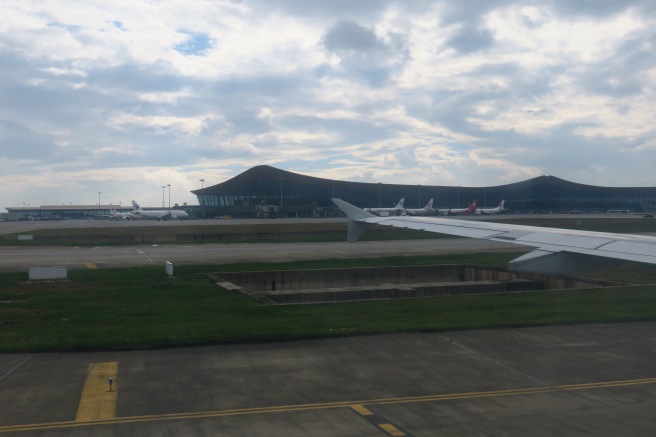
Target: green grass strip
(139, 308)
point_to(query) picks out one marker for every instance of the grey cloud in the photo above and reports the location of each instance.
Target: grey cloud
(15, 138)
(363, 54)
(595, 8)
(373, 76)
(347, 38)
(469, 11)
(61, 125)
(610, 81)
(525, 84)
(153, 78)
(624, 72)
(246, 121)
(472, 40)
(329, 9)
(349, 132)
(270, 86)
(548, 151)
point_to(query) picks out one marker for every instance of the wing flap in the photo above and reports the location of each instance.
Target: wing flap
(459, 228)
(561, 239)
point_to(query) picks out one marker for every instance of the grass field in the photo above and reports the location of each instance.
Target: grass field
(139, 308)
(207, 233)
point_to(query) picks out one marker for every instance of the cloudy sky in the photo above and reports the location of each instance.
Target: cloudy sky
(124, 96)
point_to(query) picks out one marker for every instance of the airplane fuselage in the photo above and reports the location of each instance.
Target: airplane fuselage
(158, 214)
(460, 211)
(426, 210)
(490, 211)
(386, 212)
(161, 214)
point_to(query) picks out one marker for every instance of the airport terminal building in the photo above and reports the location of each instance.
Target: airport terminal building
(268, 192)
(265, 191)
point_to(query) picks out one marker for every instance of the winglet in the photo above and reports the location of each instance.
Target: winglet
(355, 216)
(351, 211)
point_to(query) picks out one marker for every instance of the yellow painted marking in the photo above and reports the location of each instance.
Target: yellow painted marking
(324, 406)
(361, 410)
(91, 266)
(97, 402)
(391, 429)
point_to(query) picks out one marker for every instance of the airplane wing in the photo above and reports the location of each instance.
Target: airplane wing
(556, 250)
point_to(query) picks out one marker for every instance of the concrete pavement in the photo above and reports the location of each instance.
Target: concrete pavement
(569, 380)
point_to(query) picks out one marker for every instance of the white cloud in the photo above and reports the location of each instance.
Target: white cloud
(158, 124)
(171, 97)
(119, 150)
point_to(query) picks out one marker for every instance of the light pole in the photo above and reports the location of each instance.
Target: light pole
(202, 198)
(379, 204)
(98, 200)
(169, 185)
(163, 204)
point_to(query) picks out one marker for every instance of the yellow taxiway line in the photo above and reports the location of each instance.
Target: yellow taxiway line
(325, 406)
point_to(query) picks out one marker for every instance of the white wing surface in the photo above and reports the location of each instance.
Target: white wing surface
(557, 250)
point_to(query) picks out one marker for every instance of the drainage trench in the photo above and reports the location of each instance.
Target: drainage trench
(352, 284)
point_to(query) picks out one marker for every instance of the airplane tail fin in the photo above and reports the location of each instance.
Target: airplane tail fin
(429, 205)
(501, 207)
(112, 209)
(400, 204)
(472, 207)
(135, 206)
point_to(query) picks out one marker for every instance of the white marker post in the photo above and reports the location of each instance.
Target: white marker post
(169, 269)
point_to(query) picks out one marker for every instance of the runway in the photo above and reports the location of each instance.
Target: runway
(563, 380)
(16, 259)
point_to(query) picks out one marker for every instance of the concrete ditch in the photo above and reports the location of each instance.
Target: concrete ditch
(284, 287)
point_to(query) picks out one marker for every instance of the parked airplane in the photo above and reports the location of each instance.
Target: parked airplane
(119, 215)
(158, 214)
(471, 209)
(426, 210)
(397, 210)
(557, 250)
(498, 210)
